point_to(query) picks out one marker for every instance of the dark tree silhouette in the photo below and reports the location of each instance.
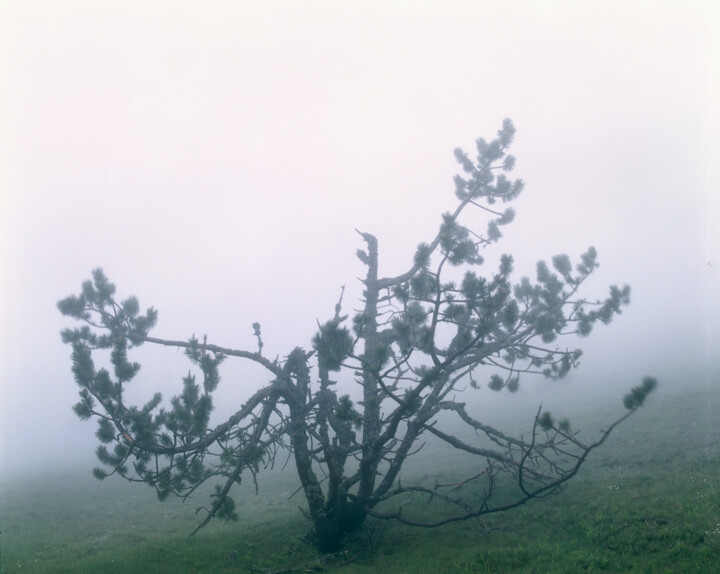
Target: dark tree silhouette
(420, 339)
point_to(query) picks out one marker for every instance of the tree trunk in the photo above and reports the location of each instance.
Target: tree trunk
(339, 521)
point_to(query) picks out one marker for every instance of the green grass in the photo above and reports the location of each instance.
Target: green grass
(649, 501)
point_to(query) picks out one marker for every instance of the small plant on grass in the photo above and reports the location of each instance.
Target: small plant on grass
(420, 339)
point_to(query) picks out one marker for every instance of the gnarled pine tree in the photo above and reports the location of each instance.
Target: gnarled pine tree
(421, 338)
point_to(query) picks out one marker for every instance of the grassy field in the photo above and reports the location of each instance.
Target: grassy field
(649, 501)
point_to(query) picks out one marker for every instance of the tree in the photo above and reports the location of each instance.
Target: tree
(421, 338)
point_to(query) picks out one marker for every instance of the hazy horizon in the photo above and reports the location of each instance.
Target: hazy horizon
(216, 160)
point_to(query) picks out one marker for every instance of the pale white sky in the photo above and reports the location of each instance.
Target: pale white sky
(215, 159)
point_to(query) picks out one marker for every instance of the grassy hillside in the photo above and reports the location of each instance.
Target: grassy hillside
(649, 501)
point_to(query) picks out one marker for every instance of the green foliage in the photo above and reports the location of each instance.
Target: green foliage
(589, 262)
(122, 320)
(99, 473)
(507, 217)
(412, 401)
(474, 288)
(546, 421)
(190, 411)
(637, 395)
(423, 286)
(333, 344)
(511, 314)
(496, 383)
(456, 243)
(378, 357)
(480, 178)
(84, 408)
(83, 367)
(359, 322)
(506, 265)
(408, 327)
(562, 265)
(106, 431)
(208, 363)
(430, 376)
(422, 255)
(225, 506)
(493, 231)
(124, 370)
(345, 411)
(162, 482)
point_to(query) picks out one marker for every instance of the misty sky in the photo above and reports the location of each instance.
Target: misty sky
(216, 158)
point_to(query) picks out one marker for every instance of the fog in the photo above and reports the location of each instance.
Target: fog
(215, 159)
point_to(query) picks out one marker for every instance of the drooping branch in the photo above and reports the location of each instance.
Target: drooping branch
(545, 484)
